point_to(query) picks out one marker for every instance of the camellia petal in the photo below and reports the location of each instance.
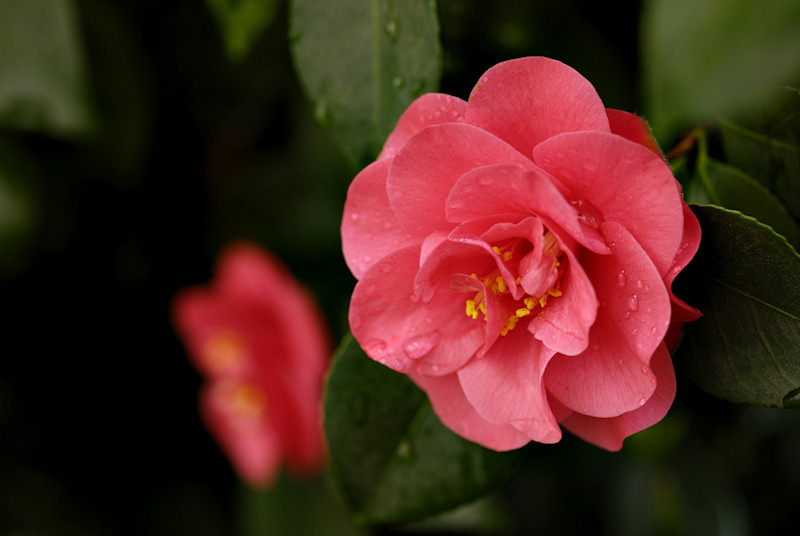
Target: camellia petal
(625, 182)
(634, 128)
(609, 433)
(435, 339)
(420, 179)
(613, 375)
(370, 229)
(527, 100)
(505, 386)
(429, 109)
(681, 311)
(455, 412)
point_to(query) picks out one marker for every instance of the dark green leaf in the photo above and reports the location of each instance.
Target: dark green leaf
(43, 85)
(730, 187)
(362, 63)
(746, 281)
(715, 57)
(393, 458)
(767, 146)
(242, 22)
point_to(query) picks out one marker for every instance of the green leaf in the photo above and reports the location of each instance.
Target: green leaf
(242, 22)
(362, 63)
(746, 281)
(393, 459)
(715, 57)
(730, 187)
(767, 146)
(43, 80)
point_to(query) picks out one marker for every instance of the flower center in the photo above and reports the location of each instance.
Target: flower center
(547, 272)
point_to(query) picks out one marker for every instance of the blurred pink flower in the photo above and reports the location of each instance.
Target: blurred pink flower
(259, 340)
(515, 256)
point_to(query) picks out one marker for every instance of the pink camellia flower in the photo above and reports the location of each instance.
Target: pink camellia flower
(515, 255)
(258, 339)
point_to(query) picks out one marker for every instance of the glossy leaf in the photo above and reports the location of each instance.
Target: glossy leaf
(242, 22)
(362, 63)
(43, 79)
(715, 57)
(728, 186)
(746, 281)
(767, 146)
(393, 459)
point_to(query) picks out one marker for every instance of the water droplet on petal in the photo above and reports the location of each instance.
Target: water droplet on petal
(354, 216)
(645, 369)
(421, 346)
(367, 259)
(375, 348)
(622, 278)
(642, 401)
(627, 314)
(633, 302)
(639, 283)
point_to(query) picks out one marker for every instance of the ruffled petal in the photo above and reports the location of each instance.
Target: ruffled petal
(623, 181)
(609, 433)
(681, 311)
(514, 190)
(505, 386)
(564, 325)
(613, 375)
(455, 412)
(425, 169)
(370, 229)
(634, 128)
(396, 328)
(429, 109)
(527, 100)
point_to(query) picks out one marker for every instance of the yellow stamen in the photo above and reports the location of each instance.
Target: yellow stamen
(530, 302)
(501, 285)
(522, 311)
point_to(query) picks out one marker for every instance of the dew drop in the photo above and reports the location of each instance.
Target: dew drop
(653, 330)
(398, 82)
(405, 452)
(633, 302)
(414, 298)
(435, 368)
(375, 348)
(322, 113)
(627, 314)
(622, 278)
(645, 369)
(391, 29)
(639, 283)
(634, 331)
(367, 259)
(354, 216)
(642, 401)
(420, 346)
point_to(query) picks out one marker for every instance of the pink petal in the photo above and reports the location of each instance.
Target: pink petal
(564, 324)
(253, 448)
(425, 169)
(396, 328)
(370, 229)
(513, 190)
(609, 433)
(681, 311)
(634, 128)
(625, 182)
(527, 100)
(505, 386)
(612, 376)
(429, 109)
(455, 412)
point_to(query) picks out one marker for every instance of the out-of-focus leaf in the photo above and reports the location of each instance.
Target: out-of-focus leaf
(767, 146)
(242, 22)
(728, 186)
(394, 460)
(43, 84)
(362, 63)
(707, 58)
(746, 281)
(18, 208)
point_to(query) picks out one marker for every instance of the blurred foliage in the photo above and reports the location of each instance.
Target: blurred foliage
(133, 146)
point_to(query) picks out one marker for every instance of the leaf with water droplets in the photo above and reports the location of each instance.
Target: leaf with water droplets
(392, 458)
(746, 281)
(363, 63)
